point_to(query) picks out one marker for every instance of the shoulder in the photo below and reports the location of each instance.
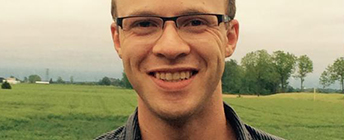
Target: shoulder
(260, 135)
(117, 134)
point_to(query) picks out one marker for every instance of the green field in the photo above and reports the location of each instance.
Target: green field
(71, 112)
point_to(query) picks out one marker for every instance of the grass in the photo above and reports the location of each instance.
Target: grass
(294, 116)
(56, 112)
(69, 112)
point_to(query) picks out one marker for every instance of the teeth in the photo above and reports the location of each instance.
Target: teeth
(157, 74)
(176, 76)
(187, 74)
(168, 76)
(182, 75)
(162, 76)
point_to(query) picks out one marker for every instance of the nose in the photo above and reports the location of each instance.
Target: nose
(170, 45)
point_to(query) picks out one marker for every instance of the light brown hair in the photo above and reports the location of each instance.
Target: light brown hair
(231, 8)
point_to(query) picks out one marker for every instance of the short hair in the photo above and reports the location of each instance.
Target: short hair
(231, 8)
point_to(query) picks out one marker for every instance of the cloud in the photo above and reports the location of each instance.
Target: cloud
(75, 35)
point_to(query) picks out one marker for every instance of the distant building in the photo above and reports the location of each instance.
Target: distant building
(11, 80)
(42, 82)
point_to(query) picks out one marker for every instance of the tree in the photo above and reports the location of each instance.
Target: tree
(26, 80)
(337, 71)
(51, 81)
(71, 79)
(260, 76)
(325, 78)
(305, 66)
(126, 82)
(6, 85)
(284, 64)
(232, 76)
(116, 82)
(60, 80)
(34, 78)
(105, 81)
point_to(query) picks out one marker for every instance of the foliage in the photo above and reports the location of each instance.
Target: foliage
(284, 64)
(26, 80)
(338, 71)
(232, 77)
(260, 75)
(34, 78)
(334, 72)
(126, 82)
(6, 85)
(105, 81)
(325, 78)
(329, 90)
(116, 82)
(72, 79)
(60, 80)
(305, 66)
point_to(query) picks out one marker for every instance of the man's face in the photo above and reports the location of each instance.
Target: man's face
(175, 76)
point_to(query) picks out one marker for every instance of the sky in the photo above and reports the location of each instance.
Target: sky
(73, 38)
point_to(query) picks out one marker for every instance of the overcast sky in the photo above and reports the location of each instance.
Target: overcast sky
(72, 37)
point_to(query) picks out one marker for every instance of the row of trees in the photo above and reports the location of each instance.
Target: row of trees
(33, 78)
(104, 81)
(259, 73)
(333, 73)
(124, 82)
(264, 73)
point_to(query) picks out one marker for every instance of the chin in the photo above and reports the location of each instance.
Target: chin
(177, 114)
(175, 117)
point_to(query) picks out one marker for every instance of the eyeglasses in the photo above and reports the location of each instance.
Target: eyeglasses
(151, 27)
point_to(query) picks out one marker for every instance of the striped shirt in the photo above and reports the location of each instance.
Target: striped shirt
(131, 130)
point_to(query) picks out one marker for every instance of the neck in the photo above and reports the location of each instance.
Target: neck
(209, 123)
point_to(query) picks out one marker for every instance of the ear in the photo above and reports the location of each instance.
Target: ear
(232, 37)
(115, 38)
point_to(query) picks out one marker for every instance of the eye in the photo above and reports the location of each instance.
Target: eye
(193, 22)
(196, 22)
(144, 24)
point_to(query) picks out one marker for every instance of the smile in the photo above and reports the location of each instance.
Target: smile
(173, 79)
(174, 76)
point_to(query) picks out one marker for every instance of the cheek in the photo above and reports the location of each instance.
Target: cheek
(133, 54)
(211, 46)
(212, 50)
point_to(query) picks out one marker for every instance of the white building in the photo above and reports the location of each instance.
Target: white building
(42, 82)
(11, 80)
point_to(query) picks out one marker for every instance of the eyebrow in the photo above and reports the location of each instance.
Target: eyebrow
(189, 11)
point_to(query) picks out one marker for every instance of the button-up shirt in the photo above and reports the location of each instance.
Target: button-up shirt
(131, 130)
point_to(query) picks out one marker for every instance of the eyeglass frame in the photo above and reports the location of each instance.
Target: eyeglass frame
(220, 18)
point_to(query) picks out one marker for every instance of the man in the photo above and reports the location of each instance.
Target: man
(174, 53)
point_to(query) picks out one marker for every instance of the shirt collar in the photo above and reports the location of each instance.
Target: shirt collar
(237, 125)
(132, 128)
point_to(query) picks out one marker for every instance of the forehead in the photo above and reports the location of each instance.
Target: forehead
(168, 7)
